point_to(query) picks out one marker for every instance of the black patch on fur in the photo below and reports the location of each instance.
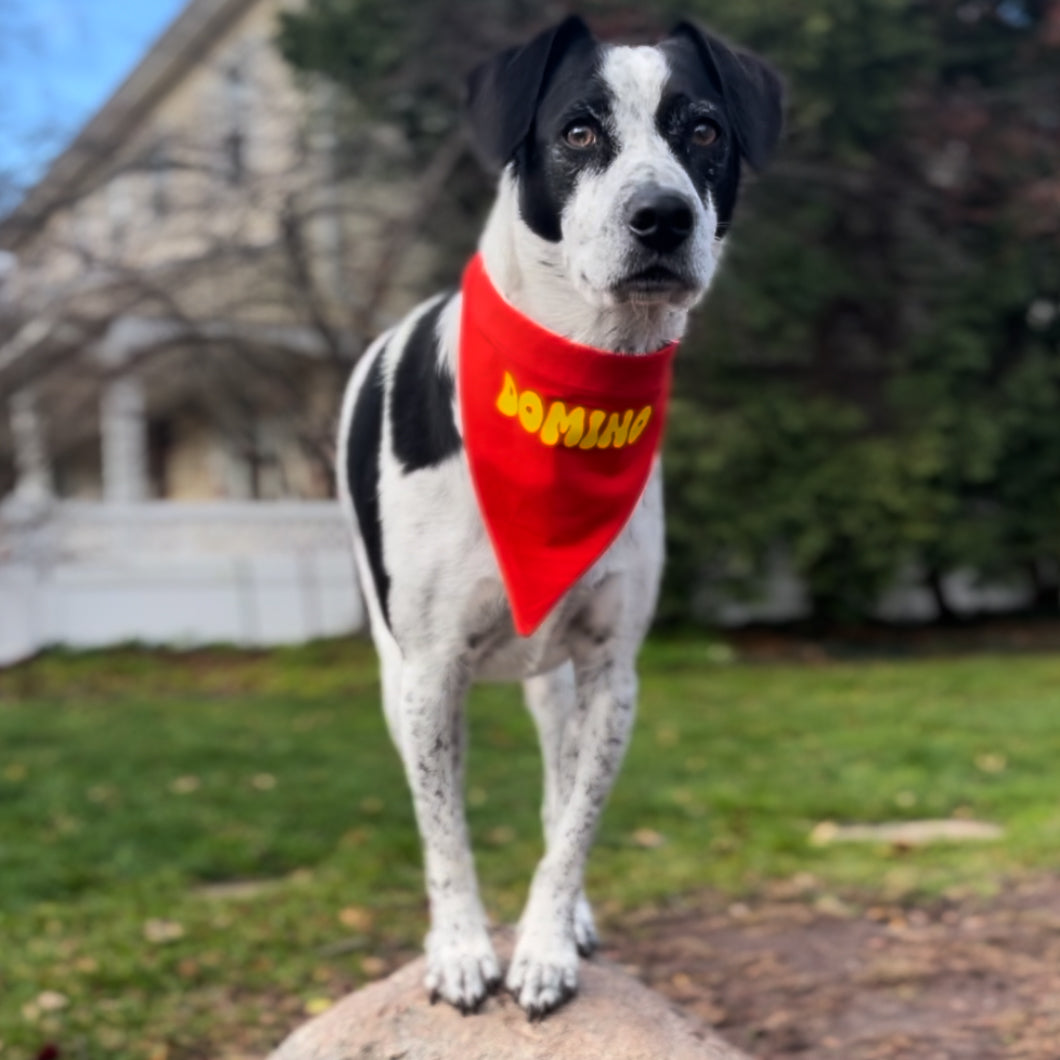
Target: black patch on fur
(363, 447)
(687, 99)
(751, 89)
(738, 92)
(503, 93)
(423, 430)
(546, 166)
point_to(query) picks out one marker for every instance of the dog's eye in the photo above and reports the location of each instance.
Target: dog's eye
(580, 135)
(705, 133)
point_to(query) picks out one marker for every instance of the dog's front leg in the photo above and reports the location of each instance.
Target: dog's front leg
(544, 969)
(553, 702)
(461, 964)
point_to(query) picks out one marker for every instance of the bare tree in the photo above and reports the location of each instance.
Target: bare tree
(237, 271)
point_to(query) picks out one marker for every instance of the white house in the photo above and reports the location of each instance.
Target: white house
(181, 299)
(177, 315)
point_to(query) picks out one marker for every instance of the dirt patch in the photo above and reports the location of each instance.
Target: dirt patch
(786, 977)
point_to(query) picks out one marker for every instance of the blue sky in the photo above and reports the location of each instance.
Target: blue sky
(61, 59)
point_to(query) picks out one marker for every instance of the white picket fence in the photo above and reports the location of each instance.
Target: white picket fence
(87, 575)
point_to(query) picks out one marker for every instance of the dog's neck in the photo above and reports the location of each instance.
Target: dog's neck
(531, 274)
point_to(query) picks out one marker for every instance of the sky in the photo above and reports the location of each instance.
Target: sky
(60, 60)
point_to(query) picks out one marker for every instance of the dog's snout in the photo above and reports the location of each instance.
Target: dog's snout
(661, 220)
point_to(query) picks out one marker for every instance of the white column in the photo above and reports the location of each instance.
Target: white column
(32, 467)
(123, 426)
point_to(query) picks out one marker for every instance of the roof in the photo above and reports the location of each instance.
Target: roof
(175, 52)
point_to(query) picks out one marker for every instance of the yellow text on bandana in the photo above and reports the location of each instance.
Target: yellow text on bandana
(579, 426)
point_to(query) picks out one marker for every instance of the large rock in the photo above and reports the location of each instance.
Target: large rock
(614, 1017)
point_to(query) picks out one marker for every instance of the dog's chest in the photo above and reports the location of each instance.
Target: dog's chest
(447, 594)
(586, 616)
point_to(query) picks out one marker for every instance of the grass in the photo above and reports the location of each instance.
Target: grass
(196, 851)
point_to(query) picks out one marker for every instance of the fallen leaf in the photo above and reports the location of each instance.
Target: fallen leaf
(824, 832)
(162, 931)
(777, 1018)
(710, 1012)
(356, 917)
(683, 986)
(991, 763)
(667, 736)
(316, 1005)
(52, 1001)
(831, 905)
(648, 838)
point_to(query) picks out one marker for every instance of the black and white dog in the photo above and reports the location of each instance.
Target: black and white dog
(620, 168)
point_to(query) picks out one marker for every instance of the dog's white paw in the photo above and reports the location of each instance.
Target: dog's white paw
(544, 972)
(461, 967)
(585, 935)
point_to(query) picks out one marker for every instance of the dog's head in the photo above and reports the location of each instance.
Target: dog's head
(627, 159)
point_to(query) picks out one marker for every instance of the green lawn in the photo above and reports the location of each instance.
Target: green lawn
(196, 850)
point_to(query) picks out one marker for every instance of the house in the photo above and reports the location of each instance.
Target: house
(178, 312)
(182, 297)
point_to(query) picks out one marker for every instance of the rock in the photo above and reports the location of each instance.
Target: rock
(614, 1016)
(907, 833)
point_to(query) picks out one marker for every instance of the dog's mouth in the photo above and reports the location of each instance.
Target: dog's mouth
(652, 284)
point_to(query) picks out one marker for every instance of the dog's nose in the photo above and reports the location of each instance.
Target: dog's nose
(661, 220)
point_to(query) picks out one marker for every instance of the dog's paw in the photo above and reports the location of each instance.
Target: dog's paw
(461, 968)
(585, 928)
(543, 974)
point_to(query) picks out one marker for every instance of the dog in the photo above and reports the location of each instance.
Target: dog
(619, 169)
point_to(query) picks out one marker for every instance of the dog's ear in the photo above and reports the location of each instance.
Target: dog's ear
(752, 90)
(503, 93)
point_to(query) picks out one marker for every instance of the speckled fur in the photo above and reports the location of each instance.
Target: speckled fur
(443, 620)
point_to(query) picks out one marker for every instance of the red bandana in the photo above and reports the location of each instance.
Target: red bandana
(560, 438)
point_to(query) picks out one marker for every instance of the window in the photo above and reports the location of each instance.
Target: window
(235, 162)
(119, 211)
(236, 105)
(159, 168)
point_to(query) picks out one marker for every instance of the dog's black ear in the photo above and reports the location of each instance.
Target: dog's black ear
(503, 93)
(752, 90)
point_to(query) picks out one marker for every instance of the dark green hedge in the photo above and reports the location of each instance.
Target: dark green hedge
(875, 380)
